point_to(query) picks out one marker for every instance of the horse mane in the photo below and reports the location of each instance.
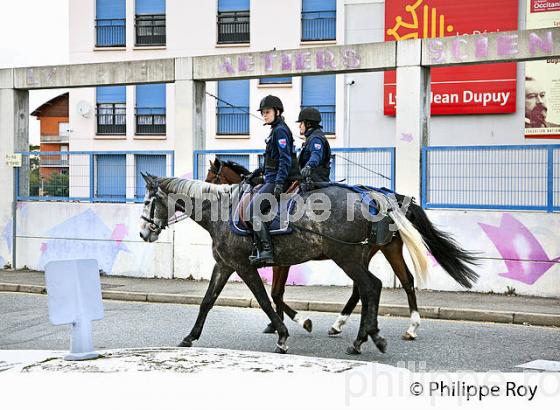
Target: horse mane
(194, 188)
(236, 167)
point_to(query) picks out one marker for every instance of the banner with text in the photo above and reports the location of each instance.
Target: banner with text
(542, 78)
(481, 89)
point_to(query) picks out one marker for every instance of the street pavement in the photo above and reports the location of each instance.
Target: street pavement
(442, 345)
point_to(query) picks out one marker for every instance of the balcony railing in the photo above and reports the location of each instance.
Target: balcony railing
(110, 32)
(150, 121)
(150, 29)
(328, 116)
(233, 27)
(111, 119)
(318, 25)
(233, 121)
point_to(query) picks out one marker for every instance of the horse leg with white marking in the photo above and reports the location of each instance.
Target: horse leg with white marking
(393, 253)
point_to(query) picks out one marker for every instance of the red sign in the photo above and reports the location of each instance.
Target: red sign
(538, 6)
(481, 89)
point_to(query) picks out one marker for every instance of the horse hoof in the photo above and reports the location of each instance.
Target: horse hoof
(334, 332)
(381, 344)
(351, 350)
(308, 325)
(408, 336)
(269, 329)
(185, 343)
(281, 349)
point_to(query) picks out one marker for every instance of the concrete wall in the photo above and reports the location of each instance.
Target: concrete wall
(519, 250)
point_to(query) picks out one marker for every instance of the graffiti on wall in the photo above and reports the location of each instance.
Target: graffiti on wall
(525, 258)
(97, 241)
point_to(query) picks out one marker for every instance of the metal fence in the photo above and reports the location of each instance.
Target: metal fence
(110, 32)
(89, 176)
(150, 29)
(233, 27)
(367, 166)
(318, 25)
(492, 177)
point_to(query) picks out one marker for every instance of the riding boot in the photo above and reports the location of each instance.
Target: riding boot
(256, 247)
(265, 254)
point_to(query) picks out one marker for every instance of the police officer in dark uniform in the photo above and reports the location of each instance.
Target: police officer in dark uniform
(315, 156)
(280, 169)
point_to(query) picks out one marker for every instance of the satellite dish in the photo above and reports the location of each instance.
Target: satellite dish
(84, 109)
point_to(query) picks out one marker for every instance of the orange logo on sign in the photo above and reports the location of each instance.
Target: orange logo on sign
(431, 22)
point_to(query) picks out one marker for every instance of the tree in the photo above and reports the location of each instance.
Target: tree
(57, 185)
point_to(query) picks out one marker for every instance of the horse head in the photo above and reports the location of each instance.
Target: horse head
(155, 213)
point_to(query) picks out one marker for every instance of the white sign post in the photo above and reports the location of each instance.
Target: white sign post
(74, 297)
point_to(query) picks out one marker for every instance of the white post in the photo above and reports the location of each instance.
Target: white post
(413, 113)
(14, 136)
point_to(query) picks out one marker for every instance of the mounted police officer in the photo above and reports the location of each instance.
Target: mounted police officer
(280, 169)
(315, 156)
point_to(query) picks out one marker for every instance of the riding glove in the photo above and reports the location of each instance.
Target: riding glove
(306, 171)
(278, 189)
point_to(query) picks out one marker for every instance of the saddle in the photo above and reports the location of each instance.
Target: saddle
(276, 226)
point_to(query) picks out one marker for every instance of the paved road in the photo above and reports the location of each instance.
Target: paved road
(442, 345)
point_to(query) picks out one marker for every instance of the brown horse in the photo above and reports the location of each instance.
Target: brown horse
(229, 172)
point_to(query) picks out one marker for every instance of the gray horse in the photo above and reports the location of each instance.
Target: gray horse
(336, 238)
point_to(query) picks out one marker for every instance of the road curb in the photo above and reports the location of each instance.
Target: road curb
(428, 312)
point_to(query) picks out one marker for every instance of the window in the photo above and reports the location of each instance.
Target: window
(111, 177)
(318, 20)
(233, 21)
(276, 80)
(154, 164)
(233, 107)
(319, 91)
(241, 159)
(150, 22)
(110, 23)
(111, 110)
(150, 109)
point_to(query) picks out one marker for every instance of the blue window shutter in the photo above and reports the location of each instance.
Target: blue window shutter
(154, 164)
(233, 5)
(235, 92)
(319, 91)
(113, 94)
(150, 96)
(276, 80)
(150, 7)
(111, 177)
(232, 120)
(241, 159)
(110, 9)
(318, 5)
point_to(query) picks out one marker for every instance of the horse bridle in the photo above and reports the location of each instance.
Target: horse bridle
(153, 225)
(217, 174)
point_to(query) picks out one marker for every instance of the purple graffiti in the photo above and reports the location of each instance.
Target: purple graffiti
(350, 59)
(227, 66)
(246, 63)
(85, 230)
(525, 258)
(536, 42)
(325, 59)
(269, 61)
(303, 60)
(286, 61)
(507, 45)
(481, 47)
(7, 234)
(437, 51)
(407, 137)
(457, 47)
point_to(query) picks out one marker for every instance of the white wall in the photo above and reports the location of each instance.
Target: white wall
(516, 249)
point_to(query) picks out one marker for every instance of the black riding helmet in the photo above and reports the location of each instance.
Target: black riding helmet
(309, 114)
(271, 101)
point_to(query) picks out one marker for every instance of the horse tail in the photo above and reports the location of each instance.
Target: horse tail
(414, 242)
(447, 252)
